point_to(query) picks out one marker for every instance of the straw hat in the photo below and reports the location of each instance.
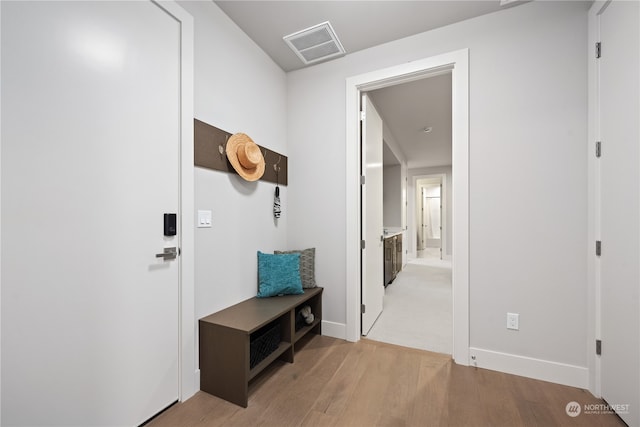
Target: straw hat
(245, 156)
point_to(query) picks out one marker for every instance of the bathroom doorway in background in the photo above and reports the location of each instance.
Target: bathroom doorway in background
(431, 214)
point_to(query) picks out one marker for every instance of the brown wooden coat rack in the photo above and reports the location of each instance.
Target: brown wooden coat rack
(209, 152)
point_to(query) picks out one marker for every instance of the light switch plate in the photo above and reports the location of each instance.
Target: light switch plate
(204, 219)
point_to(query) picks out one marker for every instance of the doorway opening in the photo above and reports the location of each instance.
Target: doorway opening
(431, 212)
(415, 305)
(457, 64)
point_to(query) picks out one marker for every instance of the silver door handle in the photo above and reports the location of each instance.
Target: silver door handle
(168, 253)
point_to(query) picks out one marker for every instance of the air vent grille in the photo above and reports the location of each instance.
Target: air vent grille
(314, 44)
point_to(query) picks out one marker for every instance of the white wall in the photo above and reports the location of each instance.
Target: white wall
(393, 145)
(238, 88)
(392, 197)
(527, 172)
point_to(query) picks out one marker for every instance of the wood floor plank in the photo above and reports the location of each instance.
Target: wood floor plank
(400, 394)
(432, 382)
(366, 405)
(319, 419)
(498, 410)
(335, 396)
(334, 383)
(201, 409)
(305, 385)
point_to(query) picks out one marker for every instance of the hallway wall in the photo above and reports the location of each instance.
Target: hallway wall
(238, 88)
(528, 126)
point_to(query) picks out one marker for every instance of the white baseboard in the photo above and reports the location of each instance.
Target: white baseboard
(335, 330)
(559, 373)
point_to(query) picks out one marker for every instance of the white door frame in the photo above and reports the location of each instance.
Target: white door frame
(187, 357)
(458, 63)
(593, 201)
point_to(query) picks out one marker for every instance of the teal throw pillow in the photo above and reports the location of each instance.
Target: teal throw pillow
(278, 274)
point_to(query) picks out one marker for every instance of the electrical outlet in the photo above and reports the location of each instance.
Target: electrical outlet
(513, 321)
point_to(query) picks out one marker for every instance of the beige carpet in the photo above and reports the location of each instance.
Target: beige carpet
(417, 310)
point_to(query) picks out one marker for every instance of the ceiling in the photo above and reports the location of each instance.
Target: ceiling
(407, 108)
(358, 24)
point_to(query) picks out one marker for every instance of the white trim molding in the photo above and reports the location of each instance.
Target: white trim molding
(189, 375)
(334, 329)
(457, 63)
(545, 370)
(0, 221)
(593, 200)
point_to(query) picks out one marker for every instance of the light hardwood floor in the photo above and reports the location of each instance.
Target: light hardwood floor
(336, 383)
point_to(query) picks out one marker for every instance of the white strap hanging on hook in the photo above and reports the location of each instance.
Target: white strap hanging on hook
(277, 210)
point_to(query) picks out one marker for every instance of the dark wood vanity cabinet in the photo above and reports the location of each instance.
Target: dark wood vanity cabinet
(398, 264)
(389, 255)
(392, 257)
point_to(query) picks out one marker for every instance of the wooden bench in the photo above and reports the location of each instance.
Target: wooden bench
(226, 340)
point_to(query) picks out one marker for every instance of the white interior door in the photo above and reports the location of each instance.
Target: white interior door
(432, 213)
(425, 218)
(90, 163)
(434, 217)
(372, 221)
(423, 224)
(620, 209)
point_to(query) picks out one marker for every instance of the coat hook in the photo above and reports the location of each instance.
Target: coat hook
(275, 166)
(221, 147)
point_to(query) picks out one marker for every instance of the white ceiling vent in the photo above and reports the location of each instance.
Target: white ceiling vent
(316, 43)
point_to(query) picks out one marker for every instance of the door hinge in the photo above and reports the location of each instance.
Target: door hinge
(362, 244)
(362, 308)
(598, 149)
(598, 248)
(363, 115)
(362, 179)
(598, 49)
(599, 347)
